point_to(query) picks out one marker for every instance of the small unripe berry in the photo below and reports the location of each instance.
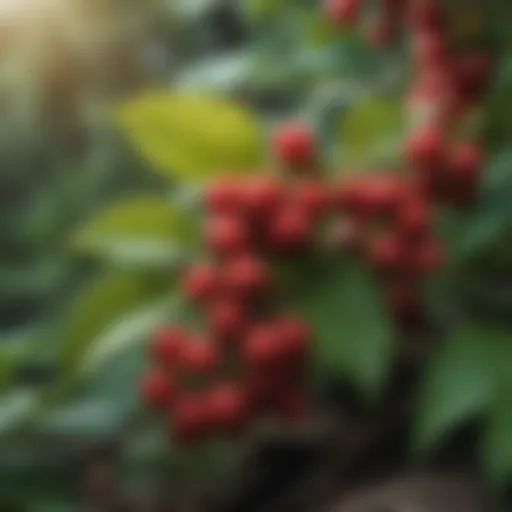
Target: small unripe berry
(199, 358)
(158, 389)
(167, 343)
(295, 145)
(343, 12)
(247, 276)
(201, 282)
(227, 235)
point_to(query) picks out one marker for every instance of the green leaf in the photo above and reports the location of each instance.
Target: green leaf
(497, 444)
(372, 130)
(15, 407)
(459, 381)
(354, 336)
(192, 137)
(139, 229)
(108, 299)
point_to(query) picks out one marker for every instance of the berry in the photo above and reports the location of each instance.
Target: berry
(427, 258)
(311, 197)
(415, 218)
(191, 419)
(248, 276)
(472, 72)
(262, 347)
(167, 343)
(426, 149)
(201, 282)
(261, 195)
(199, 358)
(387, 254)
(228, 407)
(465, 162)
(227, 235)
(348, 197)
(294, 145)
(291, 229)
(227, 318)
(430, 49)
(294, 335)
(223, 196)
(427, 15)
(343, 12)
(158, 390)
(381, 195)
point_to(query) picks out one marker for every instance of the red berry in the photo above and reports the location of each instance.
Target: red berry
(430, 49)
(227, 235)
(199, 358)
(223, 196)
(295, 145)
(426, 15)
(427, 258)
(426, 149)
(201, 282)
(227, 318)
(248, 275)
(415, 218)
(261, 195)
(311, 197)
(466, 162)
(348, 196)
(191, 419)
(381, 195)
(343, 12)
(473, 71)
(167, 343)
(158, 390)
(290, 229)
(294, 336)
(262, 347)
(387, 254)
(229, 407)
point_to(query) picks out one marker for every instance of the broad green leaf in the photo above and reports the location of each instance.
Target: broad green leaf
(110, 298)
(498, 173)
(133, 328)
(354, 336)
(15, 407)
(497, 444)
(459, 381)
(142, 228)
(372, 130)
(193, 137)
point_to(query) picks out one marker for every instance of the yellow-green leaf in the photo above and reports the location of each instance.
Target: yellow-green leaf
(192, 136)
(107, 300)
(372, 131)
(143, 228)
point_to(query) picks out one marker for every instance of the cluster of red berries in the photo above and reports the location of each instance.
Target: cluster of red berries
(252, 361)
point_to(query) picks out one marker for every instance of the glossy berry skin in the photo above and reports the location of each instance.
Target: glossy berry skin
(227, 235)
(290, 229)
(261, 196)
(223, 196)
(202, 282)
(199, 358)
(295, 145)
(227, 318)
(426, 149)
(342, 12)
(247, 276)
(158, 390)
(167, 343)
(311, 197)
(228, 407)
(191, 419)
